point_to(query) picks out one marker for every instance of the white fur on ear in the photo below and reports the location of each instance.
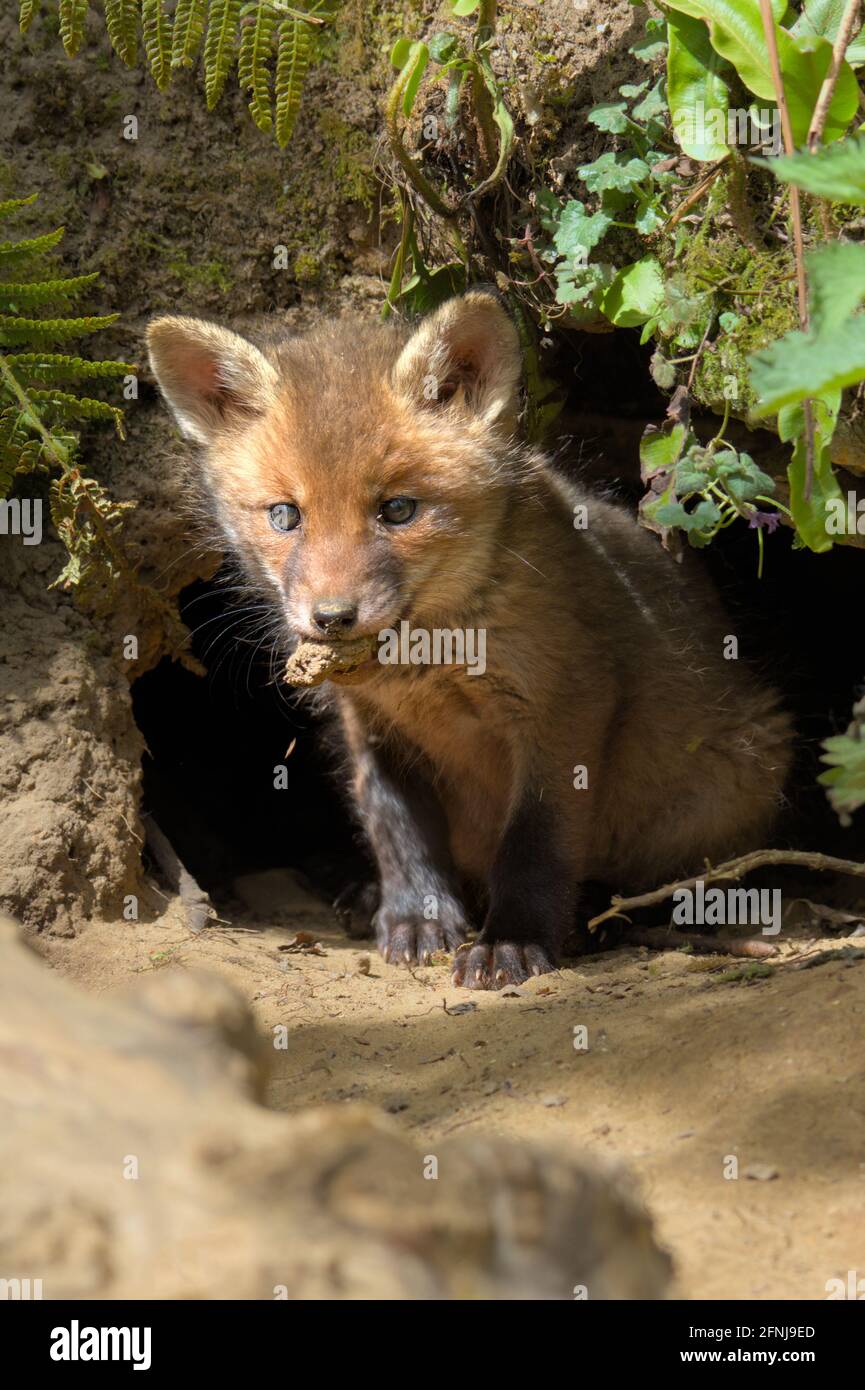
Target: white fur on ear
(209, 376)
(467, 353)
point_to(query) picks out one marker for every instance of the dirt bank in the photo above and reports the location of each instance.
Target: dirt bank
(691, 1061)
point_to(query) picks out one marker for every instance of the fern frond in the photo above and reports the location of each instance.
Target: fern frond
(121, 21)
(189, 21)
(57, 366)
(26, 11)
(16, 250)
(157, 41)
(294, 43)
(44, 291)
(86, 518)
(13, 204)
(73, 16)
(222, 22)
(39, 421)
(71, 407)
(18, 330)
(256, 45)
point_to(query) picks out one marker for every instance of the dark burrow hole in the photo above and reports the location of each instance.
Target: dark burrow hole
(214, 741)
(215, 745)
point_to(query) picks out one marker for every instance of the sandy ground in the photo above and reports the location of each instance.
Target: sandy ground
(691, 1061)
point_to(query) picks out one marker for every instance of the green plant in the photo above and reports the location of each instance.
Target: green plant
(701, 489)
(845, 778)
(462, 67)
(269, 42)
(39, 416)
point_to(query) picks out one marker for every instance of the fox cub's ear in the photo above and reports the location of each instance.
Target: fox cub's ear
(467, 354)
(211, 378)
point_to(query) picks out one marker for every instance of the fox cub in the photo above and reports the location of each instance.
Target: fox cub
(369, 477)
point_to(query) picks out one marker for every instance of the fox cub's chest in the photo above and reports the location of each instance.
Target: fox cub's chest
(455, 721)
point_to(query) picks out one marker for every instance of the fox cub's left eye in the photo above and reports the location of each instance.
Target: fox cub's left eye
(284, 516)
(398, 510)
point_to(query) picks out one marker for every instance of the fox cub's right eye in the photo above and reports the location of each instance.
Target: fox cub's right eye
(396, 511)
(284, 516)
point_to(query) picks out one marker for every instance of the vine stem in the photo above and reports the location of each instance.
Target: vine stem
(735, 869)
(796, 215)
(824, 100)
(486, 20)
(401, 154)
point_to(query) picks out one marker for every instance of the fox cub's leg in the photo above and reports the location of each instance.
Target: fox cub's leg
(419, 909)
(533, 895)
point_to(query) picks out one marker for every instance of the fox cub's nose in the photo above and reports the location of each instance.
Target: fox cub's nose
(334, 616)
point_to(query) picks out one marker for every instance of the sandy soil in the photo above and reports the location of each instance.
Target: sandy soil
(690, 1060)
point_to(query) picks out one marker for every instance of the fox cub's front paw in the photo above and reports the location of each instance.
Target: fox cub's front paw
(492, 965)
(405, 936)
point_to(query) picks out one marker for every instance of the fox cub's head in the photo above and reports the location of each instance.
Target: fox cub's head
(359, 472)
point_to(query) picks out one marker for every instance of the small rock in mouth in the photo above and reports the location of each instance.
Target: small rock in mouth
(314, 662)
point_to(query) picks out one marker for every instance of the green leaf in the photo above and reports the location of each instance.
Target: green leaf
(73, 13)
(14, 330)
(26, 12)
(157, 41)
(836, 283)
(581, 288)
(44, 291)
(811, 514)
(831, 355)
(415, 65)
(824, 17)
(121, 21)
(697, 523)
(636, 294)
(442, 48)
(222, 25)
(502, 119)
(660, 448)
(613, 171)
(187, 32)
(736, 33)
(56, 366)
(653, 104)
(631, 89)
(293, 51)
(611, 116)
(836, 172)
(578, 231)
(425, 292)
(802, 365)
(740, 475)
(845, 755)
(697, 89)
(16, 250)
(464, 7)
(654, 44)
(647, 218)
(10, 205)
(253, 72)
(804, 67)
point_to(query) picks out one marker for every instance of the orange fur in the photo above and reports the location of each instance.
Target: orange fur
(601, 652)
